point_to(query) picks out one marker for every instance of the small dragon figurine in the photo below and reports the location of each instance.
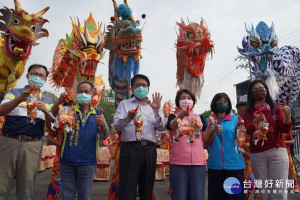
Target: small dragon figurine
(20, 30)
(241, 136)
(279, 68)
(262, 128)
(138, 122)
(124, 43)
(193, 46)
(31, 104)
(76, 57)
(192, 129)
(64, 120)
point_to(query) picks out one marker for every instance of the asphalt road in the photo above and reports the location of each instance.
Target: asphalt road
(100, 189)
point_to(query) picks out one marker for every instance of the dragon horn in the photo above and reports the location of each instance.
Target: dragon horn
(182, 22)
(131, 17)
(115, 8)
(39, 14)
(17, 5)
(201, 22)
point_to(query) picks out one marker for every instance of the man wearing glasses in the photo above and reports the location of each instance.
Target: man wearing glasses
(138, 147)
(20, 141)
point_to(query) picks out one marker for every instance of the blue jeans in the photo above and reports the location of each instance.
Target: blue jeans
(78, 179)
(187, 182)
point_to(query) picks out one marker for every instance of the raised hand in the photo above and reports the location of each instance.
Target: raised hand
(99, 120)
(211, 119)
(131, 114)
(183, 113)
(23, 95)
(64, 97)
(217, 128)
(286, 109)
(41, 105)
(156, 101)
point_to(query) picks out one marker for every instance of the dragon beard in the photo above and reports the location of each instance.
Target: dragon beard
(185, 79)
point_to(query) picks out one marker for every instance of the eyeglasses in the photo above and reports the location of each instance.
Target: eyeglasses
(259, 90)
(37, 74)
(139, 85)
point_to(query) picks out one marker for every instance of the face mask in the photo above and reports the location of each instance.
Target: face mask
(37, 81)
(183, 103)
(83, 98)
(259, 95)
(141, 92)
(222, 107)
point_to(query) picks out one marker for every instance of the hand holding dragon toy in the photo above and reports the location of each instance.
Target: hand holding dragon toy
(241, 136)
(20, 31)
(262, 126)
(192, 129)
(138, 123)
(31, 104)
(64, 120)
(193, 45)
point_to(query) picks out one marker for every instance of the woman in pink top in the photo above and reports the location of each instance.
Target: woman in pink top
(187, 159)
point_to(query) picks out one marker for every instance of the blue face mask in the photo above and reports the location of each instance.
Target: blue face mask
(37, 81)
(141, 92)
(83, 98)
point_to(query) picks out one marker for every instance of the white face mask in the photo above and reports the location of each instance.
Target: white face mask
(183, 103)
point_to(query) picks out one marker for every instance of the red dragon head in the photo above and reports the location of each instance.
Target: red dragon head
(76, 58)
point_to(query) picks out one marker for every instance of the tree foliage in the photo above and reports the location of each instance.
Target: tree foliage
(206, 114)
(52, 95)
(107, 103)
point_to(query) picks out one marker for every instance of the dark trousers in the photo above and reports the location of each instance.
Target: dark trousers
(216, 180)
(137, 167)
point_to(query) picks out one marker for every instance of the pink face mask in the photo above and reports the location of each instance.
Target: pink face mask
(183, 103)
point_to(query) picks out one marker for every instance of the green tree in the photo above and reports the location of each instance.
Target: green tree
(52, 95)
(107, 103)
(206, 114)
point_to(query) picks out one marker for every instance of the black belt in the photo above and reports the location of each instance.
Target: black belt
(142, 142)
(21, 137)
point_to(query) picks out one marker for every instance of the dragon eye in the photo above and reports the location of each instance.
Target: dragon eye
(32, 27)
(190, 35)
(118, 29)
(81, 45)
(137, 22)
(16, 21)
(254, 41)
(100, 49)
(273, 43)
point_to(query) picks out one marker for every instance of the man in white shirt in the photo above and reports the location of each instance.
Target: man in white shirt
(138, 147)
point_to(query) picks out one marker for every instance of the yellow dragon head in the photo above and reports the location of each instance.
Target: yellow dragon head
(21, 30)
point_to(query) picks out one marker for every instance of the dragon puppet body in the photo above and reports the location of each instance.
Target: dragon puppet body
(20, 31)
(124, 43)
(76, 58)
(278, 67)
(193, 46)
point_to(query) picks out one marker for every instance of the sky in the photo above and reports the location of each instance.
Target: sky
(225, 19)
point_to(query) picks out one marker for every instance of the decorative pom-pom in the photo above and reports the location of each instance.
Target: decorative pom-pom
(112, 19)
(143, 16)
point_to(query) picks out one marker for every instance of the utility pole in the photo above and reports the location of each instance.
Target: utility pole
(245, 65)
